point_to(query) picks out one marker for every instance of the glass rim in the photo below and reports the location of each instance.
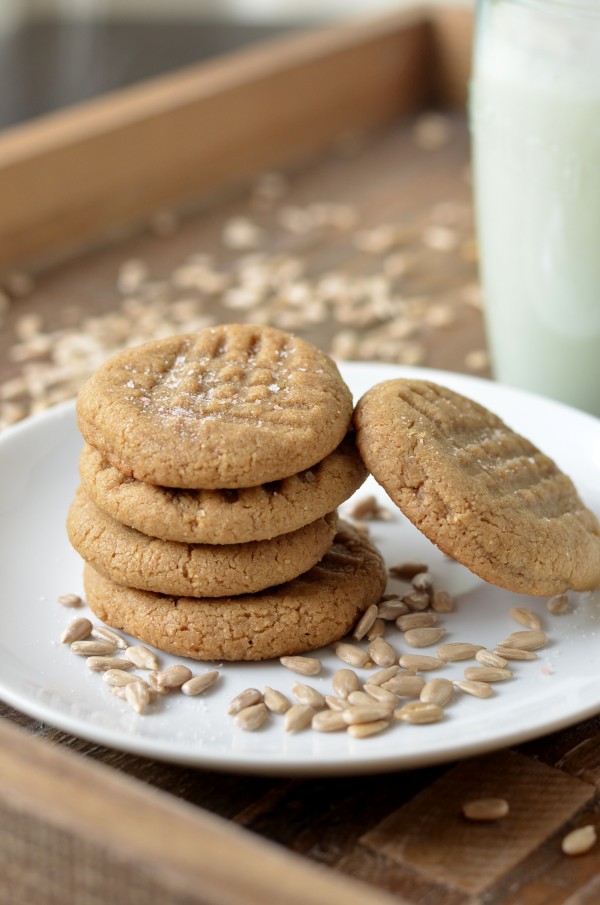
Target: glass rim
(569, 8)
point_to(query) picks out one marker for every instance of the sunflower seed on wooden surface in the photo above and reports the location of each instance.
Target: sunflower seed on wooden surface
(101, 664)
(77, 630)
(382, 653)
(365, 622)
(423, 637)
(474, 688)
(579, 841)
(328, 721)
(437, 691)
(352, 654)
(487, 674)
(298, 717)
(304, 666)
(531, 640)
(419, 712)
(366, 713)
(384, 675)
(526, 617)
(245, 698)
(252, 718)
(420, 662)
(199, 684)
(275, 700)
(364, 730)
(141, 657)
(71, 601)
(513, 653)
(92, 648)
(304, 694)
(416, 620)
(442, 602)
(485, 809)
(458, 650)
(490, 658)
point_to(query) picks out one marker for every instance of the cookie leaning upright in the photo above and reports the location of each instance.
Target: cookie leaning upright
(482, 493)
(184, 411)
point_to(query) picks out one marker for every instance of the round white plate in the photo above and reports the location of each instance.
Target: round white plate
(41, 677)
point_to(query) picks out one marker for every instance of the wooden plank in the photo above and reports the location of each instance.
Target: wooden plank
(80, 174)
(71, 830)
(452, 37)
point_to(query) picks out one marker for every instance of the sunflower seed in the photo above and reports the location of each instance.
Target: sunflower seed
(526, 617)
(298, 717)
(363, 730)
(328, 721)
(106, 634)
(141, 657)
(416, 620)
(304, 666)
(366, 713)
(420, 662)
(275, 701)
(344, 682)
(423, 637)
(304, 694)
(383, 675)
(173, 676)
(487, 674)
(198, 684)
(252, 718)
(92, 648)
(351, 654)
(418, 712)
(558, 605)
(70, 600)
(335, 703)
(101, 664)
(485, 809)
(475, 688)
(405, 686)
(365, 623)
(381, 695)
(119, 677)
(459, 650)
(76, 631)
(392, 609)
(437, 691)
(245, 698)
(152, 679)
(118, 691)
(382, 653)
(137, 695)
(417, 601)
(579, 841)
(442, 602)
(360, 699)
(490, 658)
(423, 581)
(525, 640)
(408, 570)
(377, 630)
(513, 653)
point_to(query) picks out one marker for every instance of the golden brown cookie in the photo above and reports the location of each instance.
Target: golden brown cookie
(198, 570)
(231, 406)
(315, 609)
(481, 492)
(224, 516)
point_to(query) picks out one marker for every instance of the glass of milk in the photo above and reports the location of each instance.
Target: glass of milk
(535, 119)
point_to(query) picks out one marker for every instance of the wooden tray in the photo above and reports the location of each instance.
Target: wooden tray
(127, 830)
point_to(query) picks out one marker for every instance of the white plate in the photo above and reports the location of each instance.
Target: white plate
(38, 476)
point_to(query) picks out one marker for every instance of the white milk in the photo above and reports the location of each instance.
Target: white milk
(535, 114)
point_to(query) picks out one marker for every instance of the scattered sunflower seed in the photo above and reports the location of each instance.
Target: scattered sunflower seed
(92, 648)
(77, 630)
(419, 712)
(382, 653)
(526, 617)
(252, 718)
(141, 657)
(579, 841)
(420, 662)
(304, 694)
(486, 809)
(366, 713)
(477, 689)
(423, 637)
(437, 691)
(487, 674)
(458, 650)
(381, 695)
(173, 676)
(335, 703)
(298, 717)
(405, 686)
(531, 640)
(416, 620)
(344, 682)
(363, 730)
(245, 698)
(442, 602)
(377, 630)
(304, 666)
(383, 675)
(558, 605)
(106, 634)
(328, 721)
(513, 653)
(417, 601)
(137, 695)
(365, 623)
(490, 658)
(275, 700)
(70, 600)
(101, 664)
(352, 654)
(393, 609)
(199, 684)
(119, 678)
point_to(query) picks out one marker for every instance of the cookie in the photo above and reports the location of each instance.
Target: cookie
(231, 406)
(198, 570)
(224, 516)
(482, 493)
(315, 609)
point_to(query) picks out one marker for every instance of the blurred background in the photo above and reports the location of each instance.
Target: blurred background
(58, 52)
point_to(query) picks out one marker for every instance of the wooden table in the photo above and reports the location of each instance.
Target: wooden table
(71, 832)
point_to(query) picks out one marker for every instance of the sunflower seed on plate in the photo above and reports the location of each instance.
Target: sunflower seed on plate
(420, 662)
(405, 686)
(70, 600)
(141, 657)
(384, 675)
(423, 581)
(137, 695)
(119, 677)
(381, 695)
(525, 617)
(367, 713)
(513, 653)
(363, 730)
(392, 609)
(101, 664)
(304, 666)
(199, 684)
(437, 691)
(252, 718)
(423, 637)
(531, 640)
(416, 620)
(442, 602)
(558, 605)
(417, 601)
(77, 630)
(328, 721)
(487, 674)
(365, 623)
(92, 648)
(298, 717)
(360, 699)
(474, 688)
(351, 654)
(106, 634)
(335, 703)
(344, 682)
(173, 676)
(377, 630)
(419, 712)
(275, 700)
(490, 658)
(304, 694)
(458, 650)
(245, 698)
(382, 653)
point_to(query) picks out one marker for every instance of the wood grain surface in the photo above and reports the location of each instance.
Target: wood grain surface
(93, 838)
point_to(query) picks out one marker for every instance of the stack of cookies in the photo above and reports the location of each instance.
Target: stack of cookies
(213, 467)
